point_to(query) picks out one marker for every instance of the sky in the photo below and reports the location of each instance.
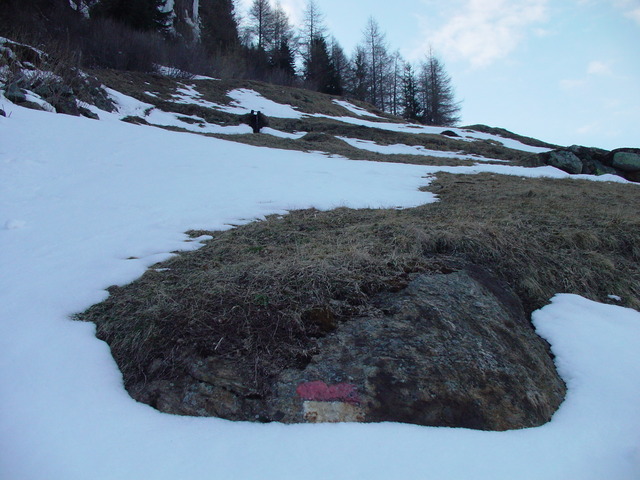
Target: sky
(563, 71)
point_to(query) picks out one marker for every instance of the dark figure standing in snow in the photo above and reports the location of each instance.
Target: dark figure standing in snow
(256, 120)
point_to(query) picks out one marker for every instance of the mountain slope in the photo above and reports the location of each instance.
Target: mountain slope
(88, 204)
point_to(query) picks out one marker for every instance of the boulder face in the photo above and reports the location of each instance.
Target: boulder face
(626, 159)
(624, 162)
(564, 160)
(449, 350)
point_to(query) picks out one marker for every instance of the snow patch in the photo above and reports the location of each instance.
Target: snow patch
(464, 135)
(354, 109)
(281, 134)
(400, 149)
(245, 100)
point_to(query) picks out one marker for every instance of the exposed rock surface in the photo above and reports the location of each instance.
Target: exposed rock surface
(28, 72)
(449, 133)
(564, 160)
(449, 350)
(626, 159)
(575, 159)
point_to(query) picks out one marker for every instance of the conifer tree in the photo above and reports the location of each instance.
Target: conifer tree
(411, 106)
(282, 60)
(281, 52)
(219, 27)
(144, 15)
(439, 104)
(358, 79)
(339, 61)
(320, 71)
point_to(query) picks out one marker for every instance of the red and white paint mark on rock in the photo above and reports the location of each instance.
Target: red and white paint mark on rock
(330, 403)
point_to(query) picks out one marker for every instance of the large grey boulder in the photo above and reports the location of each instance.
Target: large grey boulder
(564, 160)
(449, 350)
(594, 160)
(627, 160)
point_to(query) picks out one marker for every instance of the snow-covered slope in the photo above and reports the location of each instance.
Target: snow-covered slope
(85, 204)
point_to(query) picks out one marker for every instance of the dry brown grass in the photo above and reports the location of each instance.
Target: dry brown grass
(263, 292)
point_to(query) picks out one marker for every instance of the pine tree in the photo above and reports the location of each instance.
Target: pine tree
(219, 27)
(339, 61)
(411, 106)
(440, 106)
(281, 53)
(144, 15)
(320, 71)
(282, 60)
(358, 79)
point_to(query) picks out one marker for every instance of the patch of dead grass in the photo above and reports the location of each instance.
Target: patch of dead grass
(263, 292)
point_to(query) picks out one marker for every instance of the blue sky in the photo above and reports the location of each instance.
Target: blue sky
(564, 71)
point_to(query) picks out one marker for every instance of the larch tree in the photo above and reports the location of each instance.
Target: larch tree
(261, 23)
(375, 47)
(396, 76)
(312, 27)
(439, 103)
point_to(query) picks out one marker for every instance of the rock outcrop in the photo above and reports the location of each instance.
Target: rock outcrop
(30, 78)
(449, 350)
(576, 159)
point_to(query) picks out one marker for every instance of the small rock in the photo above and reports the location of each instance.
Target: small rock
(449, 133)
(15, 94)
(85, 112)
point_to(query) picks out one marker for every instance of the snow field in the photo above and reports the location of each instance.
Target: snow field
(79, 198)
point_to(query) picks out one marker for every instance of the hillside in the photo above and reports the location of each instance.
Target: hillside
(240, 264)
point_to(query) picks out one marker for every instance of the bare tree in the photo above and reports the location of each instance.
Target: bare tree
(261, 20)
(396, 74)
(375, 47)
(282, 29)
(312, 27)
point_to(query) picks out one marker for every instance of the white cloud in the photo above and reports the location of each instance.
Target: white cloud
(294, 10)
(487, 30)
(634, 15)
(597, 67)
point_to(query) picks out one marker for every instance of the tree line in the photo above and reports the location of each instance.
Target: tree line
(261, 45)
